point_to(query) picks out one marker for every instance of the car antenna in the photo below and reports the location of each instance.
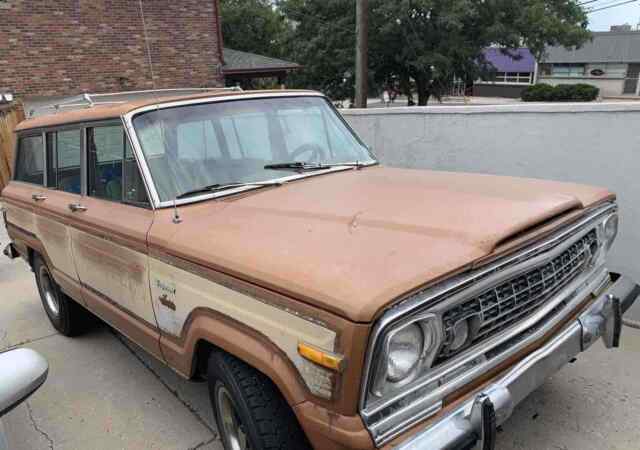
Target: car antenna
(176, 217)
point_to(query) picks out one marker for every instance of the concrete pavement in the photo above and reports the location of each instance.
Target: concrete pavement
(104, 393)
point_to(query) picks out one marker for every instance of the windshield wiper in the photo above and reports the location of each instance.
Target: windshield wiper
(221, 187)
(304, 166)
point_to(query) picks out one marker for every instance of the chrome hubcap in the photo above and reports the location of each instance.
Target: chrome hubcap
(50, 298)
(233, 430)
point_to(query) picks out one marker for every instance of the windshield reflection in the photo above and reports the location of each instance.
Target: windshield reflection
(193, 146)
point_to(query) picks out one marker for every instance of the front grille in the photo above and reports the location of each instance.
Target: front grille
(514, 300)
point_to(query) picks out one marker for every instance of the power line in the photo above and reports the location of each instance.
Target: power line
(601, 4)
(611, 6)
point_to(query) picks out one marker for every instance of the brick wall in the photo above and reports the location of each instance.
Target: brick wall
(66, 47)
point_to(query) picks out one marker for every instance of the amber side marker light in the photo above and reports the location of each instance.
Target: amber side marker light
(322, 358)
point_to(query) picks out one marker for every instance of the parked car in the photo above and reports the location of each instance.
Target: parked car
(22, 372)
(252, 239)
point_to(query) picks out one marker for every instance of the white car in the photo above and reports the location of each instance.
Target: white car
(22, 372)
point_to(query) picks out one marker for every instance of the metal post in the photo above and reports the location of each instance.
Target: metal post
(362, 49)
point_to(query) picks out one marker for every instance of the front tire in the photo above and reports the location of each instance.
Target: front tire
(249, 410)
(66, 316)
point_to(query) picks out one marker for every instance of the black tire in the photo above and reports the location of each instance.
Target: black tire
(66, 316)
(264, 417)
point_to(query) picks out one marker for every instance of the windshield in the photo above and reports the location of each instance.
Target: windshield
(193, 146)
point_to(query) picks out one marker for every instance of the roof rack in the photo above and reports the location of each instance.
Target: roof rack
(87, 100)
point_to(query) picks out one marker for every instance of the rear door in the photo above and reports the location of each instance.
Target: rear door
(63, 181)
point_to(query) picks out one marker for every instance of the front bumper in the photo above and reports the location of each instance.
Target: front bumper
(475, 421)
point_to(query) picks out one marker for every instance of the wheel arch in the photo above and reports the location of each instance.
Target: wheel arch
(208, 330)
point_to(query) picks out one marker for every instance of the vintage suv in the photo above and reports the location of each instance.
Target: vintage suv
(251, 239)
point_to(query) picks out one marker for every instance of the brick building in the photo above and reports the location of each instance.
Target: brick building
(67, 47)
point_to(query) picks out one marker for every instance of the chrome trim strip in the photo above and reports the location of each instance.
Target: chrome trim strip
(140, 162)
(146, 173)
(45, 167)
(84, 178)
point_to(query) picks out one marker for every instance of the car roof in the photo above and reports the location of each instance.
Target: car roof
(109, 111)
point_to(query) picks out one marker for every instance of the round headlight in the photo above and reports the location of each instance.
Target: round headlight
(610, 230)
(405, 348)
(460, 334)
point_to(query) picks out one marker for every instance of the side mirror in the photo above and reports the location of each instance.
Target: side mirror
(22, 372)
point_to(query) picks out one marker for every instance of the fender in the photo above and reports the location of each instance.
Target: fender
(205, 325)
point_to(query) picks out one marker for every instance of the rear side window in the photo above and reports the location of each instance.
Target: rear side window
(30, 160)
(63, 160)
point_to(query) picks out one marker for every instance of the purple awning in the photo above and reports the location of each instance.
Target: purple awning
(505, 63)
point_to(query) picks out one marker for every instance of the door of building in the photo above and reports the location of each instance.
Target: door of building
(631, 82)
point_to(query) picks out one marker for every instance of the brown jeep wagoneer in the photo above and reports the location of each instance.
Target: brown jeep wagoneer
(252, 239)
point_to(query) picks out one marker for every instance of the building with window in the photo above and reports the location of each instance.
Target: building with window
(514, 71)
(610, 61)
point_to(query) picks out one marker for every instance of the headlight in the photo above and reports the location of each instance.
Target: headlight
(407, 352)
(460, 335)
(610, 230)
(405, 348)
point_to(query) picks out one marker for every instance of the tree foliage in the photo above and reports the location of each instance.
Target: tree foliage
(421, 42)
(254, 26)
(322, 38)
(432, 41)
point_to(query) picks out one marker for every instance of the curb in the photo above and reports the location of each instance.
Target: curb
(631, 323)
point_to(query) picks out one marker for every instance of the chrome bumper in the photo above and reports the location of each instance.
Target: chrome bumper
(475, 421)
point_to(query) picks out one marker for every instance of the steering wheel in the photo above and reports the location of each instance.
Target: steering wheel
(316, 152)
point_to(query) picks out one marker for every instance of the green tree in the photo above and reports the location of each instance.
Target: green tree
(427, 41)
(321, 37)
(254, 26)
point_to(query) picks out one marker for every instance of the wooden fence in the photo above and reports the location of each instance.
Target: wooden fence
(10, 116)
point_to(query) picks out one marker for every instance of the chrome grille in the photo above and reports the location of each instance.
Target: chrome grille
(513, 300)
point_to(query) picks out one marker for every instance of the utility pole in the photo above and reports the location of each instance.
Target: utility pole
(362, 50)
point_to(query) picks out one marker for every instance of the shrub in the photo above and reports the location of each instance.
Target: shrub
(563, 93)
(585, 92)
(538, 93)
(560, 93)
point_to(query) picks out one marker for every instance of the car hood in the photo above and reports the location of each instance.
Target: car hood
(352, 242)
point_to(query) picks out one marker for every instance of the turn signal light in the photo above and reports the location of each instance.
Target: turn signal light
(322, 358)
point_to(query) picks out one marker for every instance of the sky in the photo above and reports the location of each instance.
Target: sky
(602, 20)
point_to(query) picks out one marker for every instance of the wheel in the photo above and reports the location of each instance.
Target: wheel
(66, 316)
(249, 409)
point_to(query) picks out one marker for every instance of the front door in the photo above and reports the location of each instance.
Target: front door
(631, 82)
(109, 236)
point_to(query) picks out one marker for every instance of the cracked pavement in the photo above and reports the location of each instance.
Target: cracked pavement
(104, 393)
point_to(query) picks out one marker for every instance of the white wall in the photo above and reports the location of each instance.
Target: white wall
(595, 143)
(609, 87)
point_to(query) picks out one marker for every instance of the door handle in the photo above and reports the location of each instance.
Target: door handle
(38, 197)
(75, 207)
